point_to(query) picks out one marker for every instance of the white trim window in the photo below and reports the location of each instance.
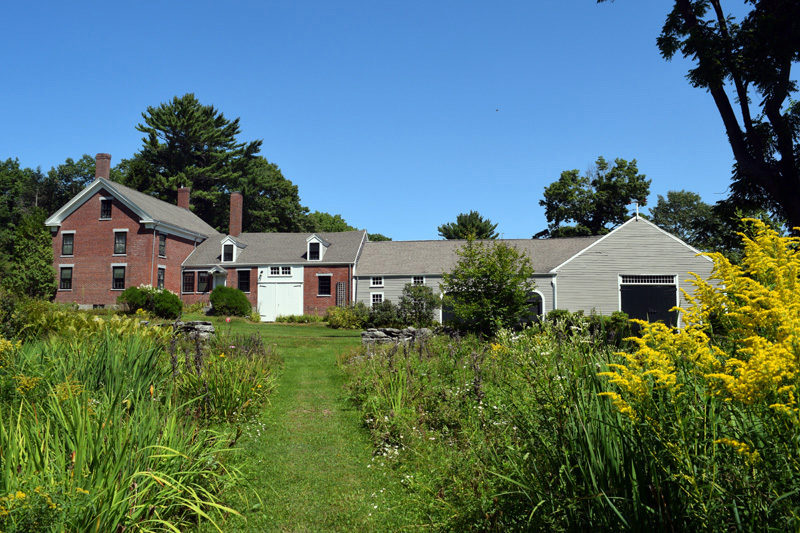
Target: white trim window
(120, 241)
(162, 274)
(324, 284)
(227, 253)
(274, 271)
(65, 277)
(375, 298)
(418, 280)
(68, 243)
(105, 208)
(376, 281)
(118, 277)
(314, 253)
(286, 271)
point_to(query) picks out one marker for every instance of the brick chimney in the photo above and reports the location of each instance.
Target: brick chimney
(102, 167)
(183, 197)
(236, 214)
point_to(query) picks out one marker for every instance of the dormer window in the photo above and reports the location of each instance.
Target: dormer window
(231, 248)
(313, 251)
(227, 252)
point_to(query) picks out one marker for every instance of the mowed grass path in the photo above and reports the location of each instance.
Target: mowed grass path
(308, 462)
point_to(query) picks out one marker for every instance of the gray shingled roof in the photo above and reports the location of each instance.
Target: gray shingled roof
(435, 257)
(162, 211)
(277, 248)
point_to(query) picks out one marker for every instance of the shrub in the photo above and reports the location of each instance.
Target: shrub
(229, 301)
(348, 317)
(417, 304)
(299, 319)
(132, 299)
(384, 315)
(167, 305)
(489, 287)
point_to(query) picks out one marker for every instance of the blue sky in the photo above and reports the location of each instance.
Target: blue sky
(396, 115)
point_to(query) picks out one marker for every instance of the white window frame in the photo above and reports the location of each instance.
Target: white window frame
(233, 252)
(164, 268)
(330, 277)
(372, 296)
(103, 199)
(120, 230)
(413, 280)
(374, 283)
(123, 265)
(319, 250)
(71, 278)
(68, 232)
(675, 279)
(249, 275)
(284, 270)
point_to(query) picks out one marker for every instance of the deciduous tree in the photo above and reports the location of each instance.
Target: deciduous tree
(593, 202)
(489, 287)
(685, 215)
(746, 66)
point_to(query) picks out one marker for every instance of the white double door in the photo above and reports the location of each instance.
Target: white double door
(279, 299)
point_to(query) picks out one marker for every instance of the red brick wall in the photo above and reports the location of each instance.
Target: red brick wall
(317, 305)
(93, 253)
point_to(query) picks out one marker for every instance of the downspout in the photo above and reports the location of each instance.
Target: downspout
(555, 292)
(152, 256)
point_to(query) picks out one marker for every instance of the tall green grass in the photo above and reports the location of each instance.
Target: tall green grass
(97, 435)
(513, 435)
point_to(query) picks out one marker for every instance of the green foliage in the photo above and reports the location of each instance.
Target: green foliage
(384, 315)
(299, 319)
(187, 143)
(347, 317)
(596, 201)
(229, 301)
(321, 221)
(231, 377)
(272, 202)
(489, 286)
(32, 274)
(683, 214)
(469, 226)
(609, 329)
(746, 66)
(93, 439)
(167, 305)
(160, 302)
(376, 237)
(417, 304)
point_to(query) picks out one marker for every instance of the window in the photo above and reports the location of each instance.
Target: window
(286, 271)
(105, 208)
(162, 245)
(202, 281)
(418, 280)
(160, 279)
(67, 243)
(274, 271)
(313, 251)
(244, 280)
(376, 281)
(227, 252)
(376, 298)
(118, 277)
(323, 285)
(120, 242)
(65, 281)
(188, 282)
(637, 279)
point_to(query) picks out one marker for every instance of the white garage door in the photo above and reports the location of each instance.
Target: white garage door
(276, 299)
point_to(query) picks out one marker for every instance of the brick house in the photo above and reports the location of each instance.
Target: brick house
(110, 237)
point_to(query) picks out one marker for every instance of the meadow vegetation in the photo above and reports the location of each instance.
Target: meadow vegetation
(110, 425)
(555, 428)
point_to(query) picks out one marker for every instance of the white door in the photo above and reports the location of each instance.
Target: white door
(279, 299)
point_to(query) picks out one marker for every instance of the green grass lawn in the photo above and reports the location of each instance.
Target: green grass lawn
(307, 460)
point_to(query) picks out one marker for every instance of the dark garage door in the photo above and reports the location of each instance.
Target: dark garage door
(649, 302)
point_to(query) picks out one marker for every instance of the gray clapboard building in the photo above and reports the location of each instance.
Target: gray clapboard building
(637, 268)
